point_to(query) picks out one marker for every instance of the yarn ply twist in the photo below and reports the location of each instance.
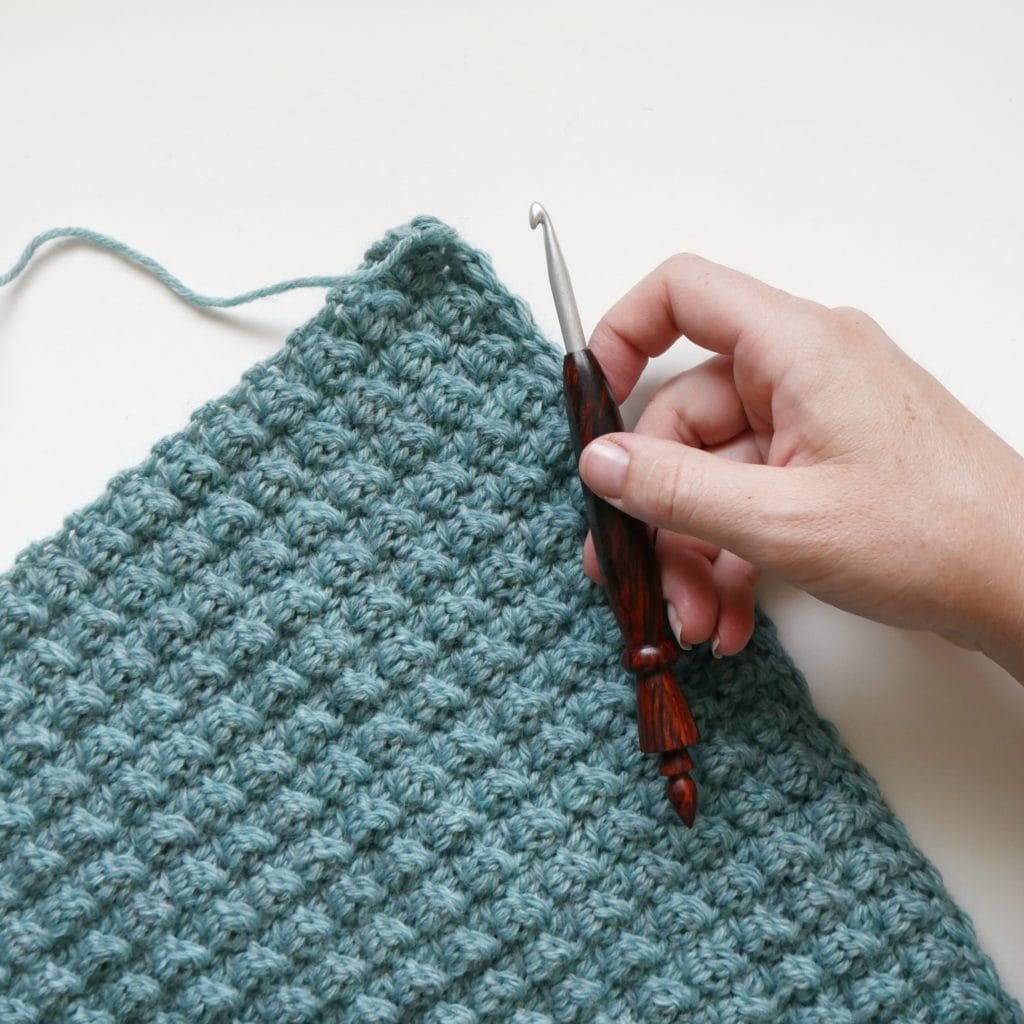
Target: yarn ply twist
(313, 716)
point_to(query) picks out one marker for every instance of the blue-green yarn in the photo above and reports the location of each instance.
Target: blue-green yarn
(313, 716)
(161, 273)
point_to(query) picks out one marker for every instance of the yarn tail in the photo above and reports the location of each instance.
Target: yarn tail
(147, 263)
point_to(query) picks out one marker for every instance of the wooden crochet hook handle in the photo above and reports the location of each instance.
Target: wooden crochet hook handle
(625, 553)
(632, 580)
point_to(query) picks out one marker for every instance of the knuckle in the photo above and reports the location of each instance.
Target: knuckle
(672, 491)
(851, 316)
(791, 317)
(813, 330)
(818, 318)
(682, 263)
(847, 312)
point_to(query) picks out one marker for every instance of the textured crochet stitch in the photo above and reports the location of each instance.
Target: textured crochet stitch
(314, 716)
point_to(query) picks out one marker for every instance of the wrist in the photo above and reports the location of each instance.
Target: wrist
(1001, 620)
(1004, 645)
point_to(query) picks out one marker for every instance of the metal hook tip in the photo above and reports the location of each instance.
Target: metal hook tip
(561, 287)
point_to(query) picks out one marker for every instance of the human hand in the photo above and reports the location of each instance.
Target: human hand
(810, 445)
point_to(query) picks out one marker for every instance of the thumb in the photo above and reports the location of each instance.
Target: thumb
(751, 510)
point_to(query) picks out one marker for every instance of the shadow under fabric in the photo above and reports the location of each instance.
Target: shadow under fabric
(314, 716)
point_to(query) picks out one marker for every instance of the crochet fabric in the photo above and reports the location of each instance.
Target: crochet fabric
(313, 716)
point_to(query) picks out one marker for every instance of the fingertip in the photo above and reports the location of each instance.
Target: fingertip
(591, 566)
(620, 438)
(621, 362)
(604, 465)
(735, 624)
(689, 589)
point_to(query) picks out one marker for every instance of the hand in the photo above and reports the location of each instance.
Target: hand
(810, 445)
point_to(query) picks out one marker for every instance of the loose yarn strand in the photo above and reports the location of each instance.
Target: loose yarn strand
(161, 273)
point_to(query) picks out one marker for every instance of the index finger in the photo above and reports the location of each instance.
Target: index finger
(687, 295)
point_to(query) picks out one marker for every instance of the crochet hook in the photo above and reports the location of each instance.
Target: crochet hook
(625, 553)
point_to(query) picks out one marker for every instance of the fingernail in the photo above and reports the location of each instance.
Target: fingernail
(606, 464)
(673, 621)
(716, 641)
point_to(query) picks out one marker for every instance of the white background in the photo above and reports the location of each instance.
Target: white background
(867, 154)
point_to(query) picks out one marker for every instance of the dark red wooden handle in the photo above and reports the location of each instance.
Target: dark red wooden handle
(622, 543)
(626, 555)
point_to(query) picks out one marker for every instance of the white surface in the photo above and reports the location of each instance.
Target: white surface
(869, 156)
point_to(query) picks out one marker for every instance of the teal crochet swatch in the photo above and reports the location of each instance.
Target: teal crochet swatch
(314, 716)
